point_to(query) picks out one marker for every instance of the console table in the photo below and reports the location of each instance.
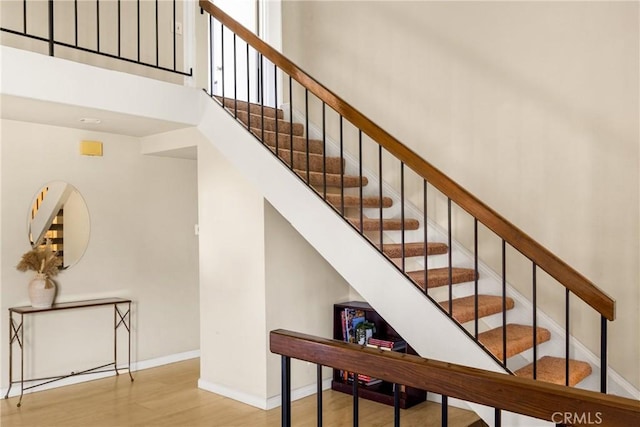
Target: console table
(121, 317)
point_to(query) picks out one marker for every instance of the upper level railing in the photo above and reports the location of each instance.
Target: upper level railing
(131, 31)
(558, 404)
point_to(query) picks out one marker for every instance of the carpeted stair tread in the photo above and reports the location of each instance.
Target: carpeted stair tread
(552, 370)
(464, 308)
(230, 104)
(333, 180)
(299, 142)
(519, 339)
(270, 124)
(372, 224)
(354, 201)
(394, 250)
(440, 276)
(316, 161)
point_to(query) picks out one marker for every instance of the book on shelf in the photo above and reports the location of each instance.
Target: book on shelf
(390, 345)
(351, 318)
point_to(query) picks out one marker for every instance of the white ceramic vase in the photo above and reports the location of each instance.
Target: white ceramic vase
(39, 294)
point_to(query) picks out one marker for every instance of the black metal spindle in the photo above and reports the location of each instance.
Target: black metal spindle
(174, 34)
(262, 99)
(222, 69)
(444, 411)
(275, 104)
(211, 50)
(566, 336)
(235, 78)
(306, 122)
(603, 354)
(119, 29)
(24, 16)
(380, 195)
(396, 405)
(402, 229)
(450, 256)
(51, 11)
(158, 40)
(341, 168)
(286, 391)
(360, 189)
(324, 150)
(248, 92)
(290, 121)
(138, 9)
(75, 21)
(426, 240)
(355, 400)
(319, 395)
(535, 320)
(498, 417)
(475, 281)
(504, 304)
(98, 25)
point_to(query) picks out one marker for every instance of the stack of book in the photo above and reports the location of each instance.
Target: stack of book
(389, 345)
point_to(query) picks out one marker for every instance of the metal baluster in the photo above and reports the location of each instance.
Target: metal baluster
(75, 22)
(98, 25)
(324, 151)
(341, 169)
(426, 241)
(248, 92)
(603, 354)
(450, 257)
(211, 50)
(355, 399)
(24, 16)
(498, 417)
(138, 8)
(306, 121)
(396, 405)
(360, 190)
(119, 28)
(380, 194)
(174, 35)
(475, 269)
(566, 337)
(262, 98)
(535, 322)
(51, 44)
(158, 40)
(235, 78)
(286, 391)
(319, 395)
(290, 122)
(504, 304)
(444, 410)
(402, 254)
(223, 70)
(275, 95)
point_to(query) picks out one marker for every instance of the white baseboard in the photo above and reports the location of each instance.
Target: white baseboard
(135, 366)
(257, 401)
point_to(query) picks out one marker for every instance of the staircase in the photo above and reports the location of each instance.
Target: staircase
(326, 175)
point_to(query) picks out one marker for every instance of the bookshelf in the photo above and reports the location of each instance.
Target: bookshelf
(378, 391)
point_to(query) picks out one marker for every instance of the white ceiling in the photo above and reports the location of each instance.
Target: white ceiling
(51, 113)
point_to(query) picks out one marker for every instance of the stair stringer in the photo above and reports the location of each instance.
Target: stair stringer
(368, 272)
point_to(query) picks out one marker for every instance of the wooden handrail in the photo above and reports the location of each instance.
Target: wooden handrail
(514, 394)
(542, 257)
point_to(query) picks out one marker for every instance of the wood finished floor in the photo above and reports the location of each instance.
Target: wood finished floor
(168, 396)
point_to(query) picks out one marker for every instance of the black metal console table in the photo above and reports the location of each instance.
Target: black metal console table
(121, 317)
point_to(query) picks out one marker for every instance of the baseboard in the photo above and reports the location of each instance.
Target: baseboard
(135, 366)
(260, 402)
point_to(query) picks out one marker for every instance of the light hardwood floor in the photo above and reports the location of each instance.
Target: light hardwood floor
(168, 396)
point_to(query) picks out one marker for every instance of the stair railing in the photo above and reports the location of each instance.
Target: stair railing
(86, 16)
(550, 402)
(396, 163)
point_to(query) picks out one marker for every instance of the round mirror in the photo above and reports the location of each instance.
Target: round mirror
(59, 213)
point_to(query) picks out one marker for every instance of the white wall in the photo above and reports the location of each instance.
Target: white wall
(142, 246)
(533, 106)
